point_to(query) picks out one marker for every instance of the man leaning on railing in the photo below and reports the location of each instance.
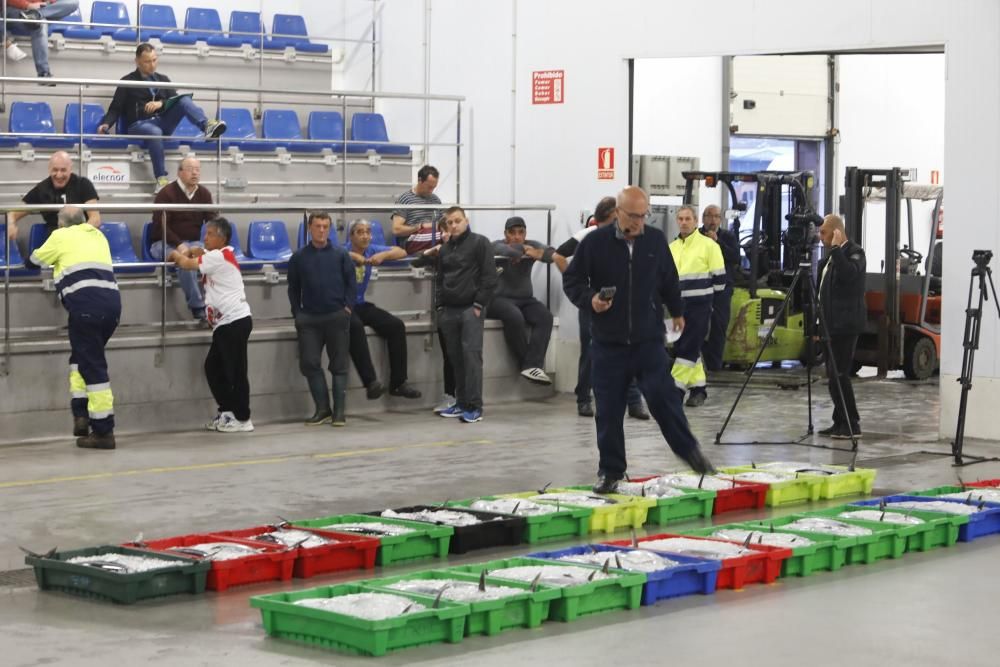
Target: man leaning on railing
(61, 187)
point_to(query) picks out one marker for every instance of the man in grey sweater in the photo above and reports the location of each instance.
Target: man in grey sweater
(515, 304)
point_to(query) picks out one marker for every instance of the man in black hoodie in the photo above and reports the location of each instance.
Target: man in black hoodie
(464, 285)
(623, 272)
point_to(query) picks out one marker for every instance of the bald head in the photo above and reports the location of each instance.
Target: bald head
(189, 172)
(60, 168)
(832, 232)
(633, 207)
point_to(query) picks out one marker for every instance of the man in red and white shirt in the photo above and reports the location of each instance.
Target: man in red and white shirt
(228, 313)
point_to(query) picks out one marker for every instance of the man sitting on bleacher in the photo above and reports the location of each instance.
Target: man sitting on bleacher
(183, 228)
(61, 187)
(45, 10)
(155, 111)
(417, 226)
(366, 255)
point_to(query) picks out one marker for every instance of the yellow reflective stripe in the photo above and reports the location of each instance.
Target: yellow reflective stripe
(689, 376)
(77, 385)
(100, 402)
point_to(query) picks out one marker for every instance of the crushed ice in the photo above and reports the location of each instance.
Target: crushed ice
(516, 506)
(294, 538)
(784, 540)
(369, 606)
(455, 590)
(551, 575)
(447, 517)
(884, 517)
(815, 524)
(687, 546)
(130, 564)
(370, 528)
(633, 561)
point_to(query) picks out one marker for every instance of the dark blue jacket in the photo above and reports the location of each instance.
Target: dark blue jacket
(644, 279)
(321, 280)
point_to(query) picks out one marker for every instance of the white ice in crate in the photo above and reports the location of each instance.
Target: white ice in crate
(884, 517)
(944, 506)
(686, 546)
(447, 517)
(654, 488)
(803, 467)
(370, 528)
(552, 575)
(578, 498)
(455, 590)
(690, 481)
(516, 506)
(815, 524)
(763, 477)
(131, 563)
(369, 606)
(976, 496)
(633, 561)
(292, 537)
(776, 539)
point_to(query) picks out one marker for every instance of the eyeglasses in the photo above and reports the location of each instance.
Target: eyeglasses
(635, 217)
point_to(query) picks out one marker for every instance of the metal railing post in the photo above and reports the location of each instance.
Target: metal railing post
(79, 101)
(163, 288)
(548, 267)
(343, 155)
(260, 68)
(458, 152)
(218, 148)
(138, 30)
(6, 296)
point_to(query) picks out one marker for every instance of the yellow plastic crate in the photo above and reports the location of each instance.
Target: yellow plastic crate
(627, 512)
(803, 489)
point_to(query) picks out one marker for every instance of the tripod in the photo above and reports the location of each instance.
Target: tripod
(802, 280)
(982, 274)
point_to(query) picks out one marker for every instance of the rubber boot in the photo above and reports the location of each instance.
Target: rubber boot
(339, 399)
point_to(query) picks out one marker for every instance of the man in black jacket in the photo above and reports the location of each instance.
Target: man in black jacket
(155, 111)
(464, 285)
(628, 331)
(712, 227)
(842, 299)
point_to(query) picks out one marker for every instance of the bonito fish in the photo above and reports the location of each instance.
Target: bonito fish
(455, 590)
(293, 538)
(633, 561)
(578, 498)
(369, 606)
(551, 575)
(976, 495)
(515, 506)
(879, 515)
(936, 506)
(372, 528)
(784, 540)
(686, 546)
(815, 524)
(217, 550)
(653, 488)
(446, 517)
(124, 563)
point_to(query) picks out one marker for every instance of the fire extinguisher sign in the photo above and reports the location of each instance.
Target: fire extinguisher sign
(605, 163)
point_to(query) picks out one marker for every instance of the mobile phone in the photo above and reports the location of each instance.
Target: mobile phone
(607, 293)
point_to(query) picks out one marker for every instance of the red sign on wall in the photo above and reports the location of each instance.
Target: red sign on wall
(605, 163)
(547, 86)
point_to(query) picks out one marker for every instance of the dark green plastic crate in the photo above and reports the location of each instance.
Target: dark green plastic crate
(427, 540)
(56, 574)
(828, 554)
(566, 523)
(938, 529)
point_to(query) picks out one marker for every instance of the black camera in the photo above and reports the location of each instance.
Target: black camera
(982, 258)
(801, 230)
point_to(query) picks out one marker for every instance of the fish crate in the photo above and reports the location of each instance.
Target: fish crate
(742, 496)
(627, 512)
(426, 540)
(622, 591)
(828, 553)
(938, 529)
(275, 563)
(986, 522)
(567, 522)
(487, 617)
(803, 489)
(886, 541)
(985, 483)
(349, 552)
(495, 530)
(350, 634)
(55, 574)
(692, 576)
(763, 566)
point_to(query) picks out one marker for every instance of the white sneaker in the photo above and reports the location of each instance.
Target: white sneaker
(447, 401)
(230, 424)
(536, 375)
(15, 53)
(214, 424)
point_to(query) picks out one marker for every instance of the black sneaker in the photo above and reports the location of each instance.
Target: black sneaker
(843, 433)
(406, 391)
(696, 398)
(374, 390)
(638, 412)
(320, 417)
(31, 15)
(605, 484)
(95, 441)
(585, 409)
(215, 129)
(701, 465)
(43, 82)
(81, 426)
(829, 431)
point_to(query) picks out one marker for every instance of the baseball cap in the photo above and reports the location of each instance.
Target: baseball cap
(515, 221)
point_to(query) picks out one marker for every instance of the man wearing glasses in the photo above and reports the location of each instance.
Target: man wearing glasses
(622, 272)
(711, 226)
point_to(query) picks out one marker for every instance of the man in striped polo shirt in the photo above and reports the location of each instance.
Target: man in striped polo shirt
(417, 225)
(81, 260)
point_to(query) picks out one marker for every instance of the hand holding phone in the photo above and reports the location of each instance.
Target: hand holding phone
(607, 293)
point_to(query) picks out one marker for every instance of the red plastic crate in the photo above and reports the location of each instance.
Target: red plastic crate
(351, 552)
(984, 483)
(762, 567)
(276, 564)
(743, 496)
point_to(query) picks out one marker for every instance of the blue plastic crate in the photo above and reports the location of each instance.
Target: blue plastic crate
(986, 522)
(694, 575)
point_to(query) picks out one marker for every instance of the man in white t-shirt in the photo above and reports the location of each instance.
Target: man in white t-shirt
(228, 313)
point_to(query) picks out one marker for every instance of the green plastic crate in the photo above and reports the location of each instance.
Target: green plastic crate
(623, 591)
(56, 574)
(886, 541)
(806, 488)
(329, 629)
(939, 529)
(629, 512)
(694, 504)
(828, 554)
(427, 540)
(488, 617)
(566, 523)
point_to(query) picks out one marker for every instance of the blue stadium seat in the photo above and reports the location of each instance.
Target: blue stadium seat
(268, 241)
(37, 236)
(252, 27)
(144, 243)
(74, 20)
(188, 133)
(35, 117)
(92, 115)
(122, 252)
(282, 125)
(205, 24)
(240, 131)
(371, 127)
(303, 238)
(159, 21)
(114, 13)
(292, 31)
(15, 256)
(328, 126)
(234, 241)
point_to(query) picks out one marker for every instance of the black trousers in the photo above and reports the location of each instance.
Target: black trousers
(843, 357)
(387, 326)
(226, 367)
(584, 379)
(448, 370)
(517, 315)
(329, 330)
(90, 386)
(711, 352)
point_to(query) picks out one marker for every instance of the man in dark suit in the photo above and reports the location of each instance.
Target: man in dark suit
(155, 111)
(712, 227)
(842, 300)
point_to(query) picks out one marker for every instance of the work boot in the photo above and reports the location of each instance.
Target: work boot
(340, 399)
(406, 391)
(320, 417)
(829, 431)
(697, 398)
(585, 409)
(81, 426)
(374, 390)
(97, 441)
(605, 484)
(696, 459)
(638, 412)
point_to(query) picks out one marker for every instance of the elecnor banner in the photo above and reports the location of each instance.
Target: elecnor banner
(109, 175)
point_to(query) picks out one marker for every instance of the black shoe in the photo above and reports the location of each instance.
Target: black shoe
(605, 484)
(585, 409)
(843, 433)
(320, 417)
(81, 426)
(374, 390)
(696, 459)
(46, 75)
(696, 398)
(829, 431)
(406, 391)
(637, 412)
(95, 441)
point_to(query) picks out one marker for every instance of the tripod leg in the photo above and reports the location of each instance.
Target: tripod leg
(973, 319)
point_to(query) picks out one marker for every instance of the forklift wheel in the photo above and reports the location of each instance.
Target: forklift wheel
(920, 358)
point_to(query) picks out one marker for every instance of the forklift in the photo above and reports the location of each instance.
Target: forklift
(771, 258)
(903, 330)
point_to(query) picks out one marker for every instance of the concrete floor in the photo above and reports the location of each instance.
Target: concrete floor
(926, 609)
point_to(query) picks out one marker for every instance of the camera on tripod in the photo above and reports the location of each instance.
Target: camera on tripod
(982, 258)
(802, 234)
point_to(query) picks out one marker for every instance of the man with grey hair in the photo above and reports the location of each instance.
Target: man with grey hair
(61, 187)
(70, 215)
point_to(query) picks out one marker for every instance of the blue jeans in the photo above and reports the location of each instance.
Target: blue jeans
(164, 125)
(40, 34)
(188, 278)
